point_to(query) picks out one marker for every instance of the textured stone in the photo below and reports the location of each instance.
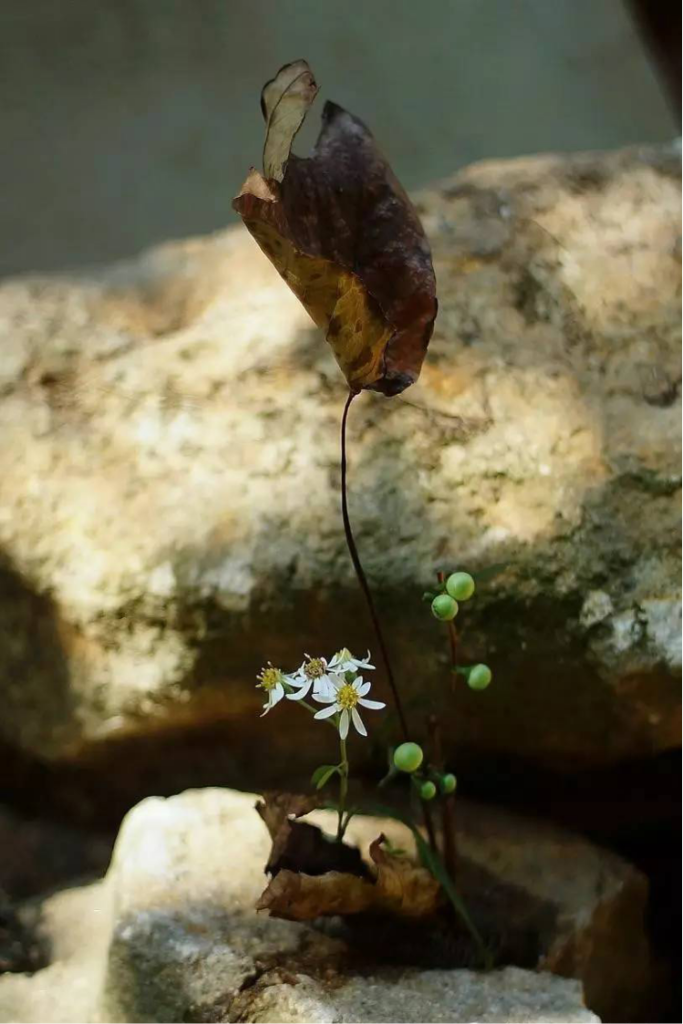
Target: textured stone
(169, 512)
(171, 935)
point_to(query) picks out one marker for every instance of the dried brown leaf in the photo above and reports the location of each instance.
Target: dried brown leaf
(406, 888)
(285, 101)
(400, 887)
(299, 846)
(343, 234)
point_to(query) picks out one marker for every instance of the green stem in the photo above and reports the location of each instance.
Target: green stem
(343, 772)
(314, 711)
(343, 788)
(309, 707)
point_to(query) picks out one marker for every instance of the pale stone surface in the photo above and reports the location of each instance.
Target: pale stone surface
(510, 996)
(169, 511)
(171, 935)
(76, 923)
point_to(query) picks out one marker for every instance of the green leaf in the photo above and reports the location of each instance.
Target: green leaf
(428, 596)
(323, 774)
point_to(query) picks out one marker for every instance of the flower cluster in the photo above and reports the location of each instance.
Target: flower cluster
(336, 683)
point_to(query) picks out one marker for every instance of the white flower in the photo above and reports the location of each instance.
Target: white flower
(314, 672)
(344, 661)
(343, 702)
(272, 681)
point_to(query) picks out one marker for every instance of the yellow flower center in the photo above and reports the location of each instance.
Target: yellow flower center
(347, 697)
(315, 668)
(269, 678)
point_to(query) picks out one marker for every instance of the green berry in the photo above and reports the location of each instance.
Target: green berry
(448, 783)
(444, 607)
(479, 677)
(460, 586)
(427, 790)
(408, 757)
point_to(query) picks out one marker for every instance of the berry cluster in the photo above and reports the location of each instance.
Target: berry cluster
(408, 757)
(459, 586)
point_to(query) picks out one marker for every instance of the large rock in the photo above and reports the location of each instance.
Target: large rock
(169, 510)
(171, 934)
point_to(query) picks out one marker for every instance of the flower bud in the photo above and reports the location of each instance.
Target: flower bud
(479, 677)
(448, 783)
(460, 586)
(427, 790)
(408, 757)
(444, 608)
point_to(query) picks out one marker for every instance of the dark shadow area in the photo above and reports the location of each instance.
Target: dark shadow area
(32, 656)
(660, 27)
(515, 930)
(632, 808)
(22, 948)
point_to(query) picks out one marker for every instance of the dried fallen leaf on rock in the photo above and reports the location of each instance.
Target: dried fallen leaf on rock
(400, 887)
(299, 846)
(343, 234)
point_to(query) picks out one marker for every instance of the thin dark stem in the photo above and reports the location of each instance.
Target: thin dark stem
(448, 802)
(353, 551)
(452, 634)
(429, 826)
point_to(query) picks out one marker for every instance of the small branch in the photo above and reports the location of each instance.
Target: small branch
(353, 551)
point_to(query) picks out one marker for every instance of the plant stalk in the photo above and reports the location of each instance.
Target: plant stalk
(343, 788)
(360, 573)
(448, 801)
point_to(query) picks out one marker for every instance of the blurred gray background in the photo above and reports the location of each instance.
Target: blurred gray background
(126, 122)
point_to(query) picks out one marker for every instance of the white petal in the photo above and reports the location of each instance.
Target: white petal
(376, 705)
(267, 706)
(325, 696)
(301, 693)
(357, 683)
(323, 689)
(326, 712)
(358, 722)
(344, 724)
(277, 692)
(365, 688)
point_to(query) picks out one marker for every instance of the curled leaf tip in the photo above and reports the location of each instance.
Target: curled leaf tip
(284, 103)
